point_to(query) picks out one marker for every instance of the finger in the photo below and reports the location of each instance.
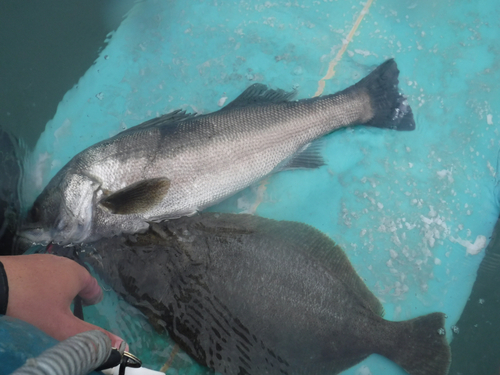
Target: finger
(80, 281)
(91, 292)
(69, 325)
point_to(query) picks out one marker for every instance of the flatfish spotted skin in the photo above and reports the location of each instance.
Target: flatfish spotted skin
(248, 295)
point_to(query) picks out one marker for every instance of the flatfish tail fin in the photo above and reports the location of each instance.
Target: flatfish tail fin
(390, 107)
(421, 347)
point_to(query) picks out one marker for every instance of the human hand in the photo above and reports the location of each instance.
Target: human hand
(41, 289)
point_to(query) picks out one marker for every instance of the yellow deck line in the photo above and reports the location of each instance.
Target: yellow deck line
(321, 86)
(331, 72)
(260, 196)
(167, 364)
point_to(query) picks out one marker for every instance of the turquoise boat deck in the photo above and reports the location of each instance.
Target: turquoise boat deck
(414, 211)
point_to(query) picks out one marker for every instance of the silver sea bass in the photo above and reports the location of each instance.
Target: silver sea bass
(178, 164)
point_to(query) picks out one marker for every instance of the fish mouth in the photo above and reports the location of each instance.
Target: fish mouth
(62, 232)
(35, 235)
(41, 236)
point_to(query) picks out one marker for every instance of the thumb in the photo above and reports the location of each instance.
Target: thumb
(91, 292)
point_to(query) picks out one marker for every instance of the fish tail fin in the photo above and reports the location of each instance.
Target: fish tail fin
(420, 345)
(391, 110)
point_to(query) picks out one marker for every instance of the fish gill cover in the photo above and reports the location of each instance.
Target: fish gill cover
(413, 211)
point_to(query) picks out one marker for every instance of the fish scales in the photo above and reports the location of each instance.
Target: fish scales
(247, 295)
(179, 164)
(215, 138)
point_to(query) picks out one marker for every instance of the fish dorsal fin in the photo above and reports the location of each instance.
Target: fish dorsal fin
(341, 265)
(312, 244)
(259, 94)
(308, 157)
(331, 255)
(327, 252)
(163, 120)
(138, 197)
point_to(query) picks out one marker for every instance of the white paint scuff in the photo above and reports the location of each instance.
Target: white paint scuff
(471, 248)
(40, 169)
(222, 101)
(363, 370)
(446, 173)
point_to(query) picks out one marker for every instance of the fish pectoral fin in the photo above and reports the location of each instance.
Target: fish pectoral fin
(309, 157)
(138, 197)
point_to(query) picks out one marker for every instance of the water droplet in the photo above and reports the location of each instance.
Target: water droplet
(455, 329)
(481, 301)
(441, 331)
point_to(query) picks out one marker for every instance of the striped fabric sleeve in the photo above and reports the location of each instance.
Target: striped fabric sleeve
(4, 290)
